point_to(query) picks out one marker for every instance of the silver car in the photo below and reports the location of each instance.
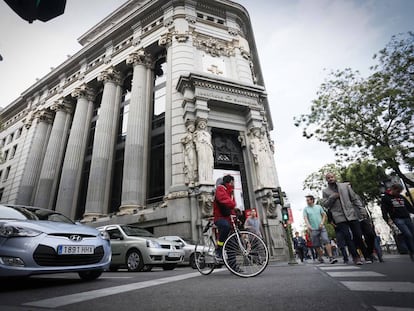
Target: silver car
(138, 250)
(39, 241)
(188, 247)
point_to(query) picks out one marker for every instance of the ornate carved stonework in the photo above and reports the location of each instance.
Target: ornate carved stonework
(205, 202)
(84, 91)
(190, 155)
(244, 53)
(191, 19)
(139, 57)
(62, 105)
(214, 46)
(181, 37)
(165, 39)
(177, 195)
(233, 31)
(269, 205)
(110, 75)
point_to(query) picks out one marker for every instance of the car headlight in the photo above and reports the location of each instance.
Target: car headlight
(7, 231)
(153, 244)
(105, 235)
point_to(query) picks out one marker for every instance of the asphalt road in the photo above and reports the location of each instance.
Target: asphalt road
(385, 286)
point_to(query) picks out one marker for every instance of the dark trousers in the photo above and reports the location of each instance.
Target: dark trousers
(301, 253)
(356, 240)
(369, 236)
(223, 227)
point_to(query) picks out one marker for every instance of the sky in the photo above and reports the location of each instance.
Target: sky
(298, 41)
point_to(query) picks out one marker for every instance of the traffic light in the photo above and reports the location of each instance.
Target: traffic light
(42, 10)
(285, 214)
(278, 196)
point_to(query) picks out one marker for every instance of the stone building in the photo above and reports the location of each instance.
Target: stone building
(162, 98)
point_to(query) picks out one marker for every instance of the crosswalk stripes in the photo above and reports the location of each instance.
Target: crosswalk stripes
(377, 285)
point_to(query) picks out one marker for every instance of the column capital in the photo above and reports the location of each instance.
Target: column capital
(139, 57)
(110, 75)
(62, 104)
(43, 115)
(84, 91)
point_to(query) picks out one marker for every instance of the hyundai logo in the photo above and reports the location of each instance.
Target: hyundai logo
(75, 238)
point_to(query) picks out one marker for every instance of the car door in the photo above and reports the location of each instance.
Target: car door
(117, 245)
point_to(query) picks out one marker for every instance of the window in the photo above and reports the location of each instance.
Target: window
(5, 155)
(18, 133)
(6, 173)
(13, 152)
(1, 193)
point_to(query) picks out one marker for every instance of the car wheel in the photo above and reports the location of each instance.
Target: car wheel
(147, 268)
(169, 266)
(134, 261)
(113, 268)
(90, 275)
(192, 262)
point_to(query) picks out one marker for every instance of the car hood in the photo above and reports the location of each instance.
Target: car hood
(50, 227)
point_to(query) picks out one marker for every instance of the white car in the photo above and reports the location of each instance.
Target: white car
(188, 247)
(137, 249)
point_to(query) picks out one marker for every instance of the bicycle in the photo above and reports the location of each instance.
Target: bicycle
(245, 254)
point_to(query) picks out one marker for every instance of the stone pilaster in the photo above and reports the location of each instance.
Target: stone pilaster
(99, 185)
(136, 145)
(40, 124)
(49, 173)
(72, 165)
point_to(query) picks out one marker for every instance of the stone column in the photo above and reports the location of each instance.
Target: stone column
(49, 173)
(40, 125)
(99, 185)
(74, 158)
(136, 149)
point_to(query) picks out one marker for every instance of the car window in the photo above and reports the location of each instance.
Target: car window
(136, 231)
(114, 234)
(14, 212)
(49, 215)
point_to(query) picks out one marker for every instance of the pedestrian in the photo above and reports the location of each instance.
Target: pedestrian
(252, 223)
(309, 247)
(368, 232)
(315, 217)
(342, 202)
(377, 247)
(299, 244)
(396, 210)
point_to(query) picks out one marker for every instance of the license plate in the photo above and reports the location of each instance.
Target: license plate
(75, 250)
(178, 255)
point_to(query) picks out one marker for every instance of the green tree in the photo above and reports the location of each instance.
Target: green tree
(369, 117)
(315, 182)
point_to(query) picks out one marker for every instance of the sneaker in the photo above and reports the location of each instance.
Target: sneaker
(218, 259)
(368, 261)
(321, 260)
(333, 260)
(358, 262)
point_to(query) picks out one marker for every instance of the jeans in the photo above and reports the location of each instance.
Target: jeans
(406, 227)
(224, 230)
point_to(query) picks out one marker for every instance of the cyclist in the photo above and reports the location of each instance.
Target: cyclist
(223, 206)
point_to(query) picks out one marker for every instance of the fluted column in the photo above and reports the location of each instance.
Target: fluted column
(40, 125)
(99, 186)
(49, 173)
(74, 158)
(136, 149)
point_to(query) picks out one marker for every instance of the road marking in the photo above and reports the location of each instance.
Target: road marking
(353, 274)
(395, 287)
(385, 308)
(340, 268)
(80, 297)
(115, 277)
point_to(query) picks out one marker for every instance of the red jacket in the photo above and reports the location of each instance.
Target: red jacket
(224, 194)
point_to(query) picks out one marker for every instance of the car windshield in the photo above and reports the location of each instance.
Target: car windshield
(188, 241)
(8, 212)
(31, 213)
(136, 231)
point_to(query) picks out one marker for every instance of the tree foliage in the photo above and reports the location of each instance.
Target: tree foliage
(364, 176)
(369, 117)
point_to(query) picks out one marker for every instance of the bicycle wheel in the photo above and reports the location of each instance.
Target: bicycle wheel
(245, 254)
(204, 257)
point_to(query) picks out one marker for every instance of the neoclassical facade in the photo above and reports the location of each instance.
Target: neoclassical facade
(163, 98)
